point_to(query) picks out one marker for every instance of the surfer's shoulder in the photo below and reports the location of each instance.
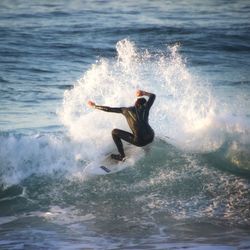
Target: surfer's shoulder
(128, 109)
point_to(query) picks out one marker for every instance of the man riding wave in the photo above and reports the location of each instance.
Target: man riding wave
(137, 118)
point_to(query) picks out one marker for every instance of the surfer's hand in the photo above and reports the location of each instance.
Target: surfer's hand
(91, 104)
(139, 93)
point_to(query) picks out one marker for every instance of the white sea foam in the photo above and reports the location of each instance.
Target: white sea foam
(21, 156)
(183, 111)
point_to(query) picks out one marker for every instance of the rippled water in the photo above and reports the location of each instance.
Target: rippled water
(189, 189)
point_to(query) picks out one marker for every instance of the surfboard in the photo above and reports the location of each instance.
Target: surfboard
(104, 167)
(107, 165)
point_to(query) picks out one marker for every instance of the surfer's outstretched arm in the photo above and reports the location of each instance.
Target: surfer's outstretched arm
(104, 108)
(108, 109)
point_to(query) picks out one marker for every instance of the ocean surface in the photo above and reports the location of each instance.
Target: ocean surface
(190, 189)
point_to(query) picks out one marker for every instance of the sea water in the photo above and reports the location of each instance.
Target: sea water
(188, 189)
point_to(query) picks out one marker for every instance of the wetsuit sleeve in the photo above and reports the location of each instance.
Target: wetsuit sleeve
(150, 101)
(109, 109)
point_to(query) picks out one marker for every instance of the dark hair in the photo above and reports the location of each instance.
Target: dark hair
(140, 102)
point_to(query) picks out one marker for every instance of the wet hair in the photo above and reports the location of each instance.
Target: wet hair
(140, 102)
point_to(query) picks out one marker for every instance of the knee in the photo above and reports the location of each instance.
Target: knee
(115, 132)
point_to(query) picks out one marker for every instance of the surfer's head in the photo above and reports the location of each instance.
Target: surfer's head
(140, 102)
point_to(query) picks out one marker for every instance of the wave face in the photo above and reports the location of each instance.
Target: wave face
(161, 195)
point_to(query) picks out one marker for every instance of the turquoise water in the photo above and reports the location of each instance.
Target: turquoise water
(189, 189)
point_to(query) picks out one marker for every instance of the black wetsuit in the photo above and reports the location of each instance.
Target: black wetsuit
(137, 118)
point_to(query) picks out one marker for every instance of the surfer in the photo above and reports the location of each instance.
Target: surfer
(137, 118)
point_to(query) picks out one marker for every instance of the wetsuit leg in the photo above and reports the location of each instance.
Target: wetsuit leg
(117, 135)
